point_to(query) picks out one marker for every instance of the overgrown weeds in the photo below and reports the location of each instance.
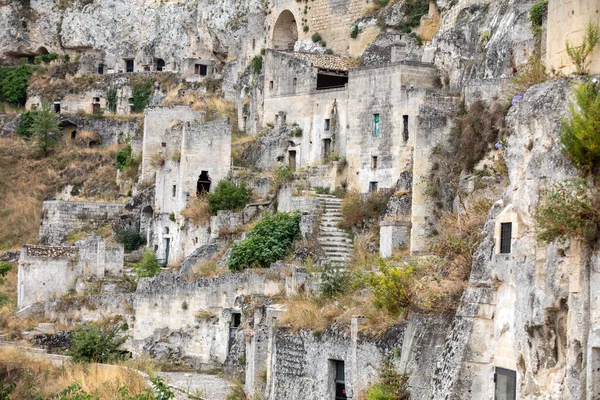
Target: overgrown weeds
(358, 210)
(198, 211)
(579, 54)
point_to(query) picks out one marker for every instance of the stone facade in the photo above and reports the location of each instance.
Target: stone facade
(59, 218)
(48, 272)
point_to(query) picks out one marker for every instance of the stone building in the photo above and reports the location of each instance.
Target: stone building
(188, 157)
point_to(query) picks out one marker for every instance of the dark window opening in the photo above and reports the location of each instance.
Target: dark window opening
(174, 190)
(101, 69)
(244, 123)
(295, 82)
(372, 187)
(160, 64)
(505, 237)
(331, 80)
(73, 134)
(146, 68)
(129, 65)
(95, 108)
(167, 250)
(253, 43)
(405, 132)
(376, 121)
(131, 105)
(327, 124)
(57, 107)
(326, 149)
(374, 162)
(163, 144)
(236, 320)
(201, 69)
(203, 185)
(292, 160)
(270, 84)
(505, 382)
(339, 379)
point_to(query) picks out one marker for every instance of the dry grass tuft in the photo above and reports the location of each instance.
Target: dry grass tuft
(36, 377)
(27, 179)
(197, 211)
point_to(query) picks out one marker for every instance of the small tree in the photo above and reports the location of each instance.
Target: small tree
(45, 128)
(92, 343)
(579, 54)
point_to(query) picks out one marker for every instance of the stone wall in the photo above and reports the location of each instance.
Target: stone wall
(61, 217)
(48, 272)
(566, 22)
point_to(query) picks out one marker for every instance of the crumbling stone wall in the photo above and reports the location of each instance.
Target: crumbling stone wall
(47, 272)
(61, 217)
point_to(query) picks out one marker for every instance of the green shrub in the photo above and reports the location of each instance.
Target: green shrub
(131, 239)
(111, 99)
(92, 343)
(5, 268)
(392, 385)
(141, 95)
(148, 267)
(45, 129)
(270, 240)
(391, 287)
(322, 190)
(579, 54)
(354, 31)
(328, 51)
(568, 209)
(580, 135)
(305, 28)
(414, 10)
(25, 122)
(316, 37)
(13, 84)
(282, 174)
(256, 65)
(123, 158)
(334, 281)
(229, 196)
(537, 13)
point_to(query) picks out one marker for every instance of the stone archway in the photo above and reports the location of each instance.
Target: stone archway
(285, 32)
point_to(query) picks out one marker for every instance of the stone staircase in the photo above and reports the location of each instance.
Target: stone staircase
(335, 243)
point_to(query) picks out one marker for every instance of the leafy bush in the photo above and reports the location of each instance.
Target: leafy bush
(5, 268)
(25, 122)
(579, 54)
(123, 157)
(354, 31)
(568, 209)
(282, 174)
(148, 267)
(111, 99)
(228, 196)
(328, 51)
(334, 281)
(537, 12)
(358, 209)
(92, 343)
(316, 37)
(46, 58)
(270, 240)
(392, 385)
(141, 95)
(390, 287)
(256, 64)
(131, 239)
(580, 135)
(415, 9)
(13, 84)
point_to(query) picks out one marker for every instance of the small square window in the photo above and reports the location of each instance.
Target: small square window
(372, 187)
(374, 162)
(200, 69)
(327, 124)
(163, 144)
(376, 124)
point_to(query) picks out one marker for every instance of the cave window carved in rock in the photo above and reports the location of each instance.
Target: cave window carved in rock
(160, 64)
(508, 228)
(285, 32)
(203, 184)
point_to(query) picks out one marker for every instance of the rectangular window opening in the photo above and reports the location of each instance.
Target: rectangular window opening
(174, 190)
(505, 237)
(376, 121)
(129, 65)
(326, 149)
(405, 132)
(101, 69)
(331, 79)
(327, 124)
(374, 162)
(236, 320)
(201, 69)
(292, 160)
(163, 144)
(505, 384)
(271, 85)
(57, 107)
(372, 187)
(339, 379)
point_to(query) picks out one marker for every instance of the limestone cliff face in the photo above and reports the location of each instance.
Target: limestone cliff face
(141, 29)
(482, 39)
(532, 310)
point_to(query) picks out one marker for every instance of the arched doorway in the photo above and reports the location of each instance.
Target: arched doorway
(285, 32)
(203, 185)
(160, 64)
(146, 223)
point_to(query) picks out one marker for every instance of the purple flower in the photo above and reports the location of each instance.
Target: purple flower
(498, 146)
(517, 97)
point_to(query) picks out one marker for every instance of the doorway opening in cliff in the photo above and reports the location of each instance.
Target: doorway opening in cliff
(337, 377)
(160, 64)
(285, 32)
(203, 185)
(146, 221)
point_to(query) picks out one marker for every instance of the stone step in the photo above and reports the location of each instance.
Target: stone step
(336, 242)
(337, 246)
(332, 217)
(334, 234)
(331, 229)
